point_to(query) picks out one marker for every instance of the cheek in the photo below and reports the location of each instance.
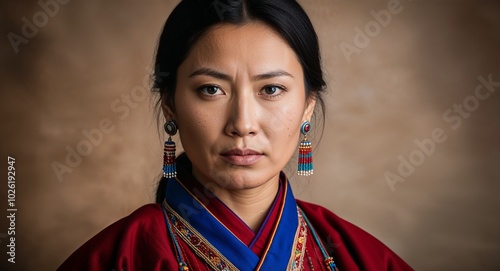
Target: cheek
(191, 121)
(193, 126)
(198, 128)
(288, 117)
(285, 124)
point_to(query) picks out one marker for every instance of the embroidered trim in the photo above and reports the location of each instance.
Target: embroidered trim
(200, 245)
(211, 256)
(327, 259)
(298, 252)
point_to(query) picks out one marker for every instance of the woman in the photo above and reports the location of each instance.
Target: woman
(239, 81)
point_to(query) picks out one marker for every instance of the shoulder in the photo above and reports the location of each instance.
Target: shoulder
(327, 222)
(120, 244)
(354, 247)
(147, 217)
(149, 213)
(325, 218)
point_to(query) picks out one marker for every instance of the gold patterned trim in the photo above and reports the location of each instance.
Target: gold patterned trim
(216, 260)
(198, 243)
(299, 248)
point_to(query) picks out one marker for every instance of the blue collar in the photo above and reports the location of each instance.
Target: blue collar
(200, 221)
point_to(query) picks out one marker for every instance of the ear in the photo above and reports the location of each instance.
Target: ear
(309, 110)
(168, 113)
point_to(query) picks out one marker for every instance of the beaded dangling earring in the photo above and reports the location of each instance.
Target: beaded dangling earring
(169, 167)
(305, 167)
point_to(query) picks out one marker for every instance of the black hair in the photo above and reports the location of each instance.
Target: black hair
(193, 18)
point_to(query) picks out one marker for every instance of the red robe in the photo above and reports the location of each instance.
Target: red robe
(140, 242)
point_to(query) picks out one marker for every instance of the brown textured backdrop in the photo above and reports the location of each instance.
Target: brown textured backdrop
(86, 69)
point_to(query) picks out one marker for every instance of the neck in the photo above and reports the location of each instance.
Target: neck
(251, 205)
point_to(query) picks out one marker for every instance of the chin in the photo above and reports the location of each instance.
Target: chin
(238, 180)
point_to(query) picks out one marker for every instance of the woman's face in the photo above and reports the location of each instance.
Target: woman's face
(240, 102)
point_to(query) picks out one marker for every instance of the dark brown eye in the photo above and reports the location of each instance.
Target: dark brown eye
(272, 90)
(210, 90)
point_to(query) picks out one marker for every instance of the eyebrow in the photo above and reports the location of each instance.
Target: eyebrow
(219, 75)
(272, 74)
(210, 72)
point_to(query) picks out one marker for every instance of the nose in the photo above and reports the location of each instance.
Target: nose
(243, 113)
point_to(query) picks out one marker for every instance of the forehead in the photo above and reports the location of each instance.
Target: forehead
(252, 45)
